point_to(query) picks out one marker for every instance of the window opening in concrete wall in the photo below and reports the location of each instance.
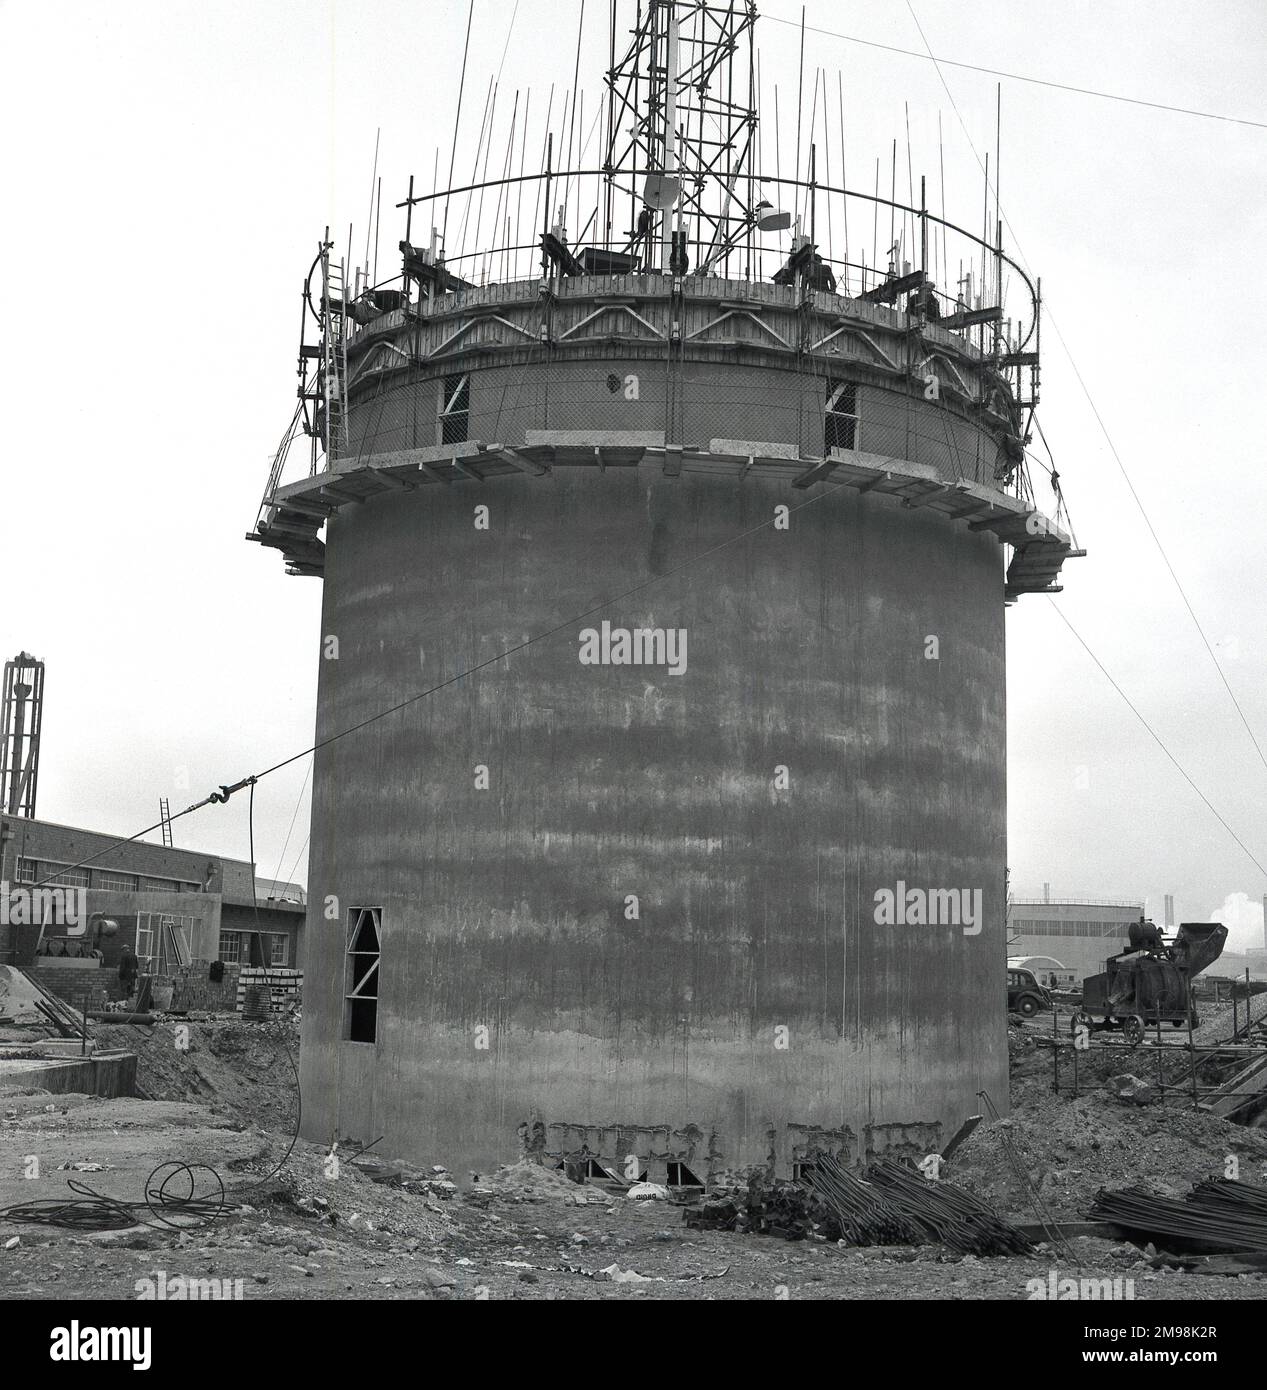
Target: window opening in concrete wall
(681, 1176)
(841, 420)
(455, 409)
(360, 1017)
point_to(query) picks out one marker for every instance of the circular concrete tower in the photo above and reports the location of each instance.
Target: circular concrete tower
(677, 556)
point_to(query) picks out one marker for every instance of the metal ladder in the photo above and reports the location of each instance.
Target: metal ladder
(334, 365)
(165, 814)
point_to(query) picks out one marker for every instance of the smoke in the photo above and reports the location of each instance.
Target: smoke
(1243, 920)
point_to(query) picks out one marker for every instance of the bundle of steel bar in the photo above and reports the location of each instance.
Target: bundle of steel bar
(947, 1214)
(1221, 1216)
(865, 1215)
(1236, 1198)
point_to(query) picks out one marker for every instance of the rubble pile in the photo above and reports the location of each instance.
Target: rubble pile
(335, 1195)
(529, 1181)
(243, 1070)
(1071, 1148)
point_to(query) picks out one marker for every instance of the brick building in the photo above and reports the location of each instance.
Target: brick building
(178, 909)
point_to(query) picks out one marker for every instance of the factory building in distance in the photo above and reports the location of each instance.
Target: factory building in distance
(1080, 933)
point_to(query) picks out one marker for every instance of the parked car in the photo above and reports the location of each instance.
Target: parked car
(1025, 996)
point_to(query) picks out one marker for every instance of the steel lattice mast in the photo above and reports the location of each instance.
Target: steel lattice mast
(682, 104)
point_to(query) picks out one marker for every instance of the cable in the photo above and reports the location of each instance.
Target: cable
(1021, 77)
(290, 878)
(225, 792)
(1117, 458)
(1157, 739)
(290, 830)
(457, 120)
(93, 1211)
(510, 29)
(1196, 622)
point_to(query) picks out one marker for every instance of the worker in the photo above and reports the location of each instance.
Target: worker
(127, 971)
(640, 242)
(924, 301)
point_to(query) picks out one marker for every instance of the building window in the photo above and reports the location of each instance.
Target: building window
(66, 877)
(360, 1011)
(840, 429)
(26, 871)
(455, 409)
(280, 951)
(118, 883)
(159, 885)
(230, 947)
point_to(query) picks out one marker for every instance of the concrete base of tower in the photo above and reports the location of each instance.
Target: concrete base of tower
(718, 916)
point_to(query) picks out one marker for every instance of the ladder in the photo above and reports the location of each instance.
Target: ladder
(165, 814)
(334, 358)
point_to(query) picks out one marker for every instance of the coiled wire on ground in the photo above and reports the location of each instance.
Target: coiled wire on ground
(171, 1190)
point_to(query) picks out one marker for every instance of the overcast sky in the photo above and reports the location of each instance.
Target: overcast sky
(169, 168)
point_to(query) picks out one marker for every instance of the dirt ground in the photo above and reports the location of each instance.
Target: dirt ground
(317, 1227)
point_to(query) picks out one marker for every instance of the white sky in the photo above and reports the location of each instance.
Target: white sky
(168, 168)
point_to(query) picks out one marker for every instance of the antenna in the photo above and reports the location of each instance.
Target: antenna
(678, 113)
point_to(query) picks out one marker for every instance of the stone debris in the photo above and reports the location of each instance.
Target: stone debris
(1133, 1090)
(616, 1275)
(526, 1181)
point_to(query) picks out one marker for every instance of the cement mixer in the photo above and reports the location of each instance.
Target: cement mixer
(1151, 983)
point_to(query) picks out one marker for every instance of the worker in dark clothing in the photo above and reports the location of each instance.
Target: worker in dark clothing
(127, 972)
(924, 302)
(640, 242)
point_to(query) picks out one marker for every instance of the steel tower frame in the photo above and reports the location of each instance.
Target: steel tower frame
(20, 736)
(693, 117)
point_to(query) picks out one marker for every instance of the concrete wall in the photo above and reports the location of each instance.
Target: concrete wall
(110, 1074)
(504, 909)
(719, 400)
